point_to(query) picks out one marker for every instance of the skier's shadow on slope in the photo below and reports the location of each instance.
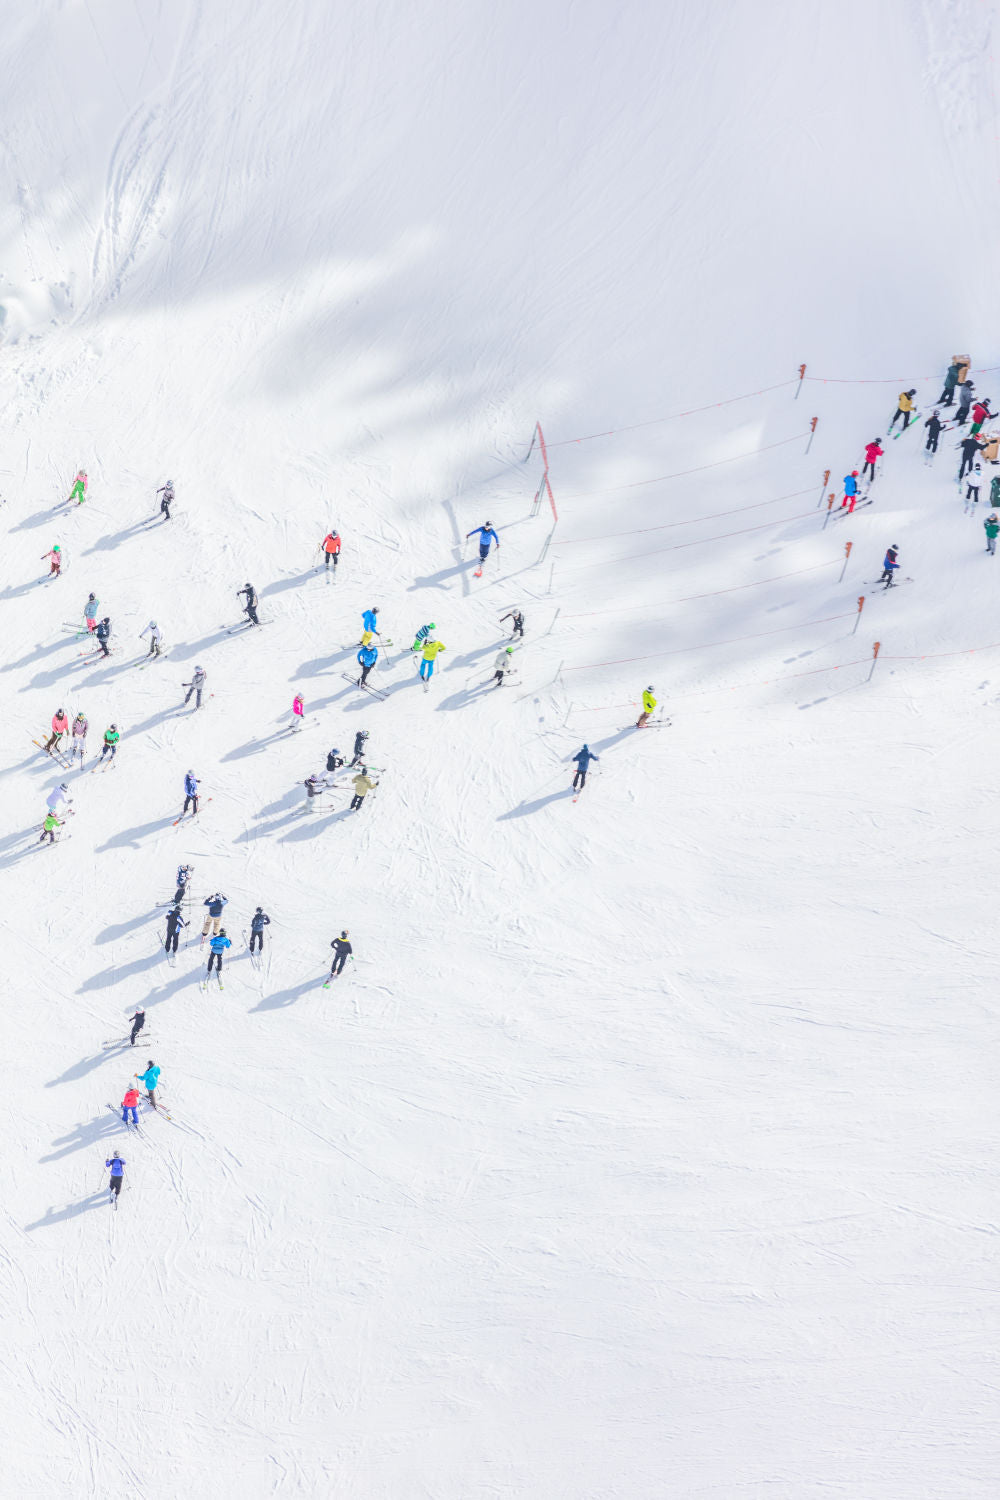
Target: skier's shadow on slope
(279, 586)
(17, 854)
(314, 828)
(264, 830)
(255, 746)
(110, 933)
(96, 1200)
(184, 650)
(320, 665)
(25, 661)
(610, 739)
(285, 997)
(50, 678)
(524, 808)
(17, 589)
(83, 1137)
(79, 1070)
(40, 518)
(112, 539)
(131, 836)
(117, 972)
(437, 580)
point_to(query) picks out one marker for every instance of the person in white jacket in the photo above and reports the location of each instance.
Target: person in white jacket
(155, 637)
(503, 664)
(59, 799)
(78, 738)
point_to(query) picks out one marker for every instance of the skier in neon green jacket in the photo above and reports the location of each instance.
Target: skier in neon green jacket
(648, 704)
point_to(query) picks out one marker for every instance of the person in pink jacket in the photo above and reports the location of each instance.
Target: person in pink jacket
(60, 724)
(298, 711)
(79, 490)
(873, 452)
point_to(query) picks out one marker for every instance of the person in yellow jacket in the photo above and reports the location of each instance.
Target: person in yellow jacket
(429, 655)
(363, 784)
(905, 408)
(648, 704)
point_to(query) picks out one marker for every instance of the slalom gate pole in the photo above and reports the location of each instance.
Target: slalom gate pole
(826, 481)
(857, 618)
(812, 432)
(875, 651)
(829, 508)
(802, 376)
(847, 553)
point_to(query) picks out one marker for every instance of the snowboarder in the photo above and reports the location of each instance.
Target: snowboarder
(218, 945)
(250, 607)
(79, 490)
(850, 491)
(487, 536)
(971, 448)
(363, 784)
(980, 413)
(130, 1102)
(110, 746)
(889, 566)
(975, 479)
(331, 548)
(367, 657)
(991, 526)
(956, 372)
(517, 619)
(55, 561)
(298, 711)
(174, 924)
(214, 918)
(184, 873)
(935, 427)
(359, 747)
(428, 656)
(138, 1019)
(190, 793)
(965, 391)
(117, 1165)
(258, 922)
(104, 635)
(904, 408)
(195, 686)
(167, 492)
(49, 828)
(583, 758)
(59, 799)
(155, 637)
(78, 740)
(60, 724)
(90, 609)
(502, 665)
(369, 621)
(422, 635)
(648, 704)
(342, 952)
(334, 760)
(149, 1080)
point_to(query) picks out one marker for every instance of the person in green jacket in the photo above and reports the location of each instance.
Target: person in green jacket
(49, 828)
(110, 747)
(648, 704)
(991, 526)
(995, 491)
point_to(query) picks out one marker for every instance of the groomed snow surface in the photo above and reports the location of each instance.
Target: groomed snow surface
(649, 1147)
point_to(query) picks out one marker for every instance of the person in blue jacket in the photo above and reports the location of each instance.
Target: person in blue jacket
(369, 625)
(367, 656)
(219, 945)
(215, 904)
(850, 490)
(486, 536)
(889, 566)
(117, 1165)
(190, 793)
(149, 1080)
(583, 758)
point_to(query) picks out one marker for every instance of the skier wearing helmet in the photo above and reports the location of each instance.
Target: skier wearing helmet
(422, 635)
(166, 492)
(331, 548)
(648, 704)
(503, 665)
(487, 536)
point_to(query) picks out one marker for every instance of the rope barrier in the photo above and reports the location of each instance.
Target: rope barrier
(712, 594)
(691, 521)
(703, 542)
(707, 645)
(674, 416)
(683, 473)
(891, 379)
(934, 655)
(861, 661)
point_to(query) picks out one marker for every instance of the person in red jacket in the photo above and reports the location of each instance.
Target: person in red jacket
(980, 414)
(130, 1102)
(873, 452)
(331, 547)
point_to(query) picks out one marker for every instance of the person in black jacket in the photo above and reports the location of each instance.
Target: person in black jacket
(935, 427)
(258, 922)
(342, 952)
(103, 634)
(971, 447)
(334, 760)
(359, 747)
(174, 924)
(250, 607)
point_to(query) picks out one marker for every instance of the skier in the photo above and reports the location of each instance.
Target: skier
(995, 492)
(60, 724)
(195, 686)
(367, 657)
(975, 479)
(331, 548)
(190, 793)
(174, 924)
(342, 952)
(218, 945)
(49, 828)
(298, 711)
(110, 746)
(183, 876)
(155, 637)
(78, 741)
(487, 536)
(980, 413)
(369, 621)
(965, 391)
(167, 491)
(104, 635)
(889, 566)
(59, 799)
(428, 656)
(55, 561)
(117, 1165)
(138, 1019)
(250, 607)
(334, 760)
(130, 1102)
(359, 747)
(648, 704)
(315, 786)
(991, 526)
(904, 408)
(79, 490)
(956, 372)
(850, 491)
(258, 922)
(935, 427)
(421, 636)
(90, 609)
(214, 918)
(363, 784)
(502, 665)
(583, 758)
(517, 619)
(971, 448)
(149, 1080)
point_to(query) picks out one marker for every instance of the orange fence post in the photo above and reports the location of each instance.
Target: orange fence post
(802, 376)
(875, 651)
(826, 481)
(857, 618)
(812, 432)
(847, 553)
(829, 508)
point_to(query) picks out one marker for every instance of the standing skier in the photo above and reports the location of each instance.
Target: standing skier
(331, 548)
(889, 566)
(850, 491)
(78, 740)
(55, 561)
(991, 526)
(117, 1165)
(167, 493)
(79, 490)
(369, 624)
(49, 828)
(873, 452)
(218, 945)
(258, 922)
(363, 784)
(502, 665)
(149, 1080)
(428, 657)
(103, 633)
(342, 951)
(422, 635)
(648, 704)
(155, 637)
(935, 427)
(956, 372)
(583, 758)
(138, 1019)
(975, 479)
(130, 1102)
(965, 391)
(60, 724)
(248, 593)
(184, 873)
(174, 924)
(904, 408)
(90, 609)
(195, 686)
(315, 786)
(334, 760)
(110, 746)
(971, 448)
(487, 536)
(190, 794)
(59, 799)
(298, 711)
(214, 918)
(359, 747)
(980, 413)
(367, 657)
(517, 622)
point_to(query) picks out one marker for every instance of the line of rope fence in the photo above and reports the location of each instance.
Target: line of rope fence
(690, 521)
(757, 635)
(683, 473)
(712, 594)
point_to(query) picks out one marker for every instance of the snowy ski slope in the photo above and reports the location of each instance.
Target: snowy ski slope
(649, 1147)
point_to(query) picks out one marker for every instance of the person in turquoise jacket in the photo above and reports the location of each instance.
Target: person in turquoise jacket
(369, 625)
(90, 609)
(367, 657)
(219, 944)
(149, 1080)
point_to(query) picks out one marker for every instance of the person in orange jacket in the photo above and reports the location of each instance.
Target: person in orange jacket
(130, 1102)
(331, 547)
(60, 724)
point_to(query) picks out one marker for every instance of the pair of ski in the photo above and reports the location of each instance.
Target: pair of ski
(203, 984)
(204, 802)
(103, 764)
(119, 1041)
(375, 692)
(130, 1125)
(55, 752)
(244, 625)
(870, 583)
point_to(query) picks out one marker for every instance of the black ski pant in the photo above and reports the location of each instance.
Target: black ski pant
(887, 576)
(962, 415)
(356, 801)
(115, 1184)
(947, 396)
(906, 415)
(338, 964)
(498, 676)
(193, 689)
(136, 1028)
(258, 938)
(216, 959)
(251, 613)
(173, 938)
(972, 493)
(967, 462)
(581, 778)
(334, 555)
(49, 834)
(193, 801)
(104, 647)
(364, 674)
(868, 465)
(932, 442)
(165, 508)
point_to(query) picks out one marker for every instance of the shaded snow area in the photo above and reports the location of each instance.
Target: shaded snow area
(647, 1146)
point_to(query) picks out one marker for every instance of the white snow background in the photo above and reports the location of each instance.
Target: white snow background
(649, 1147)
